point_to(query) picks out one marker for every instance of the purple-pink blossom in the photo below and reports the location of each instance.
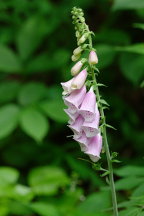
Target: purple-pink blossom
(84, 119)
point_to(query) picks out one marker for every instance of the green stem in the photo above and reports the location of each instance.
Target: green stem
(110, 167)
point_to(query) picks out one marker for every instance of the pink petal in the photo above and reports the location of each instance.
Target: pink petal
(83, 142)
(94, 147)
(88, 107)
(91, 128)
(71, 116)
(76, 126)
(79, 80)
(74, 100)
(67, 86)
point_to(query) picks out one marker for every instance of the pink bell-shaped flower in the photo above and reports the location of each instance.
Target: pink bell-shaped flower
(94, 147)
(67, 86)
(88, 107)
(79, 80)
(91, 128)
(74, 100)
(71, 116)
(76, 126)
(83, 142)
(93, 59)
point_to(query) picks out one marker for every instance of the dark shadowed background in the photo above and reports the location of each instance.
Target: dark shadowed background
(40, 170)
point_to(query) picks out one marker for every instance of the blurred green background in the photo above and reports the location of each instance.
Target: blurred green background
(40, 173)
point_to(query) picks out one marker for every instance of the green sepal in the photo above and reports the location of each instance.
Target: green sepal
(102, 101)
(105, 173)
(109, 126)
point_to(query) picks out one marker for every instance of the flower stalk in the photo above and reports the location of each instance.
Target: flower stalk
(83, 35)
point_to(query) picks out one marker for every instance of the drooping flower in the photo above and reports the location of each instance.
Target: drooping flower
(88, 107)
(67, 86)
(93, 59)
(71, 116)
(83, 142)
(79, 80)
(74, 100)
(91, 128)
(94, 147)
(76, 126)
(76, 68)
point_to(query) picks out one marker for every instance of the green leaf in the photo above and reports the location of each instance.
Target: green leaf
(94, 203)
(128, 4)
(130, 171)
(46, 180)
(134, 71)
(8, 119)
(139, 191)
(31, 93)
(8, 91)
(139, 25)
(110, 126)
(39, 63)
(8, 175)
(19, 208)
(135, 48)
(102, 101)
(30, 36)
(113, 36)
(132, 211)
(34, 123)
(142, 84)
(44, 209)
(55, 110)
(106, 55)
(22, 193)
(128, 183)
(9, 62)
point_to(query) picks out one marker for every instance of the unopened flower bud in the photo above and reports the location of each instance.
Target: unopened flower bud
(76, 68)
(93, 59)
(77, 51)
(77, 34)
(82, 39)
(75, 57)
(79, 80)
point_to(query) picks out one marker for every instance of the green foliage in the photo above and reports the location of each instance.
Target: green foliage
(54, 110)
(128, 4)
(8, 119)
(47, 180)
(34, 123)
(9, 62)
(31, 93)
(53, 178)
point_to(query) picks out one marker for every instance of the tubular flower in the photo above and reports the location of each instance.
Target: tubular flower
(91, 128)
(71, 116)
(76, 126)
(79, 80)
(74, 100)
(76, 68)
(93, 59)
(88, 107)
(94, 147)
(67, 86)
(83, 142)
